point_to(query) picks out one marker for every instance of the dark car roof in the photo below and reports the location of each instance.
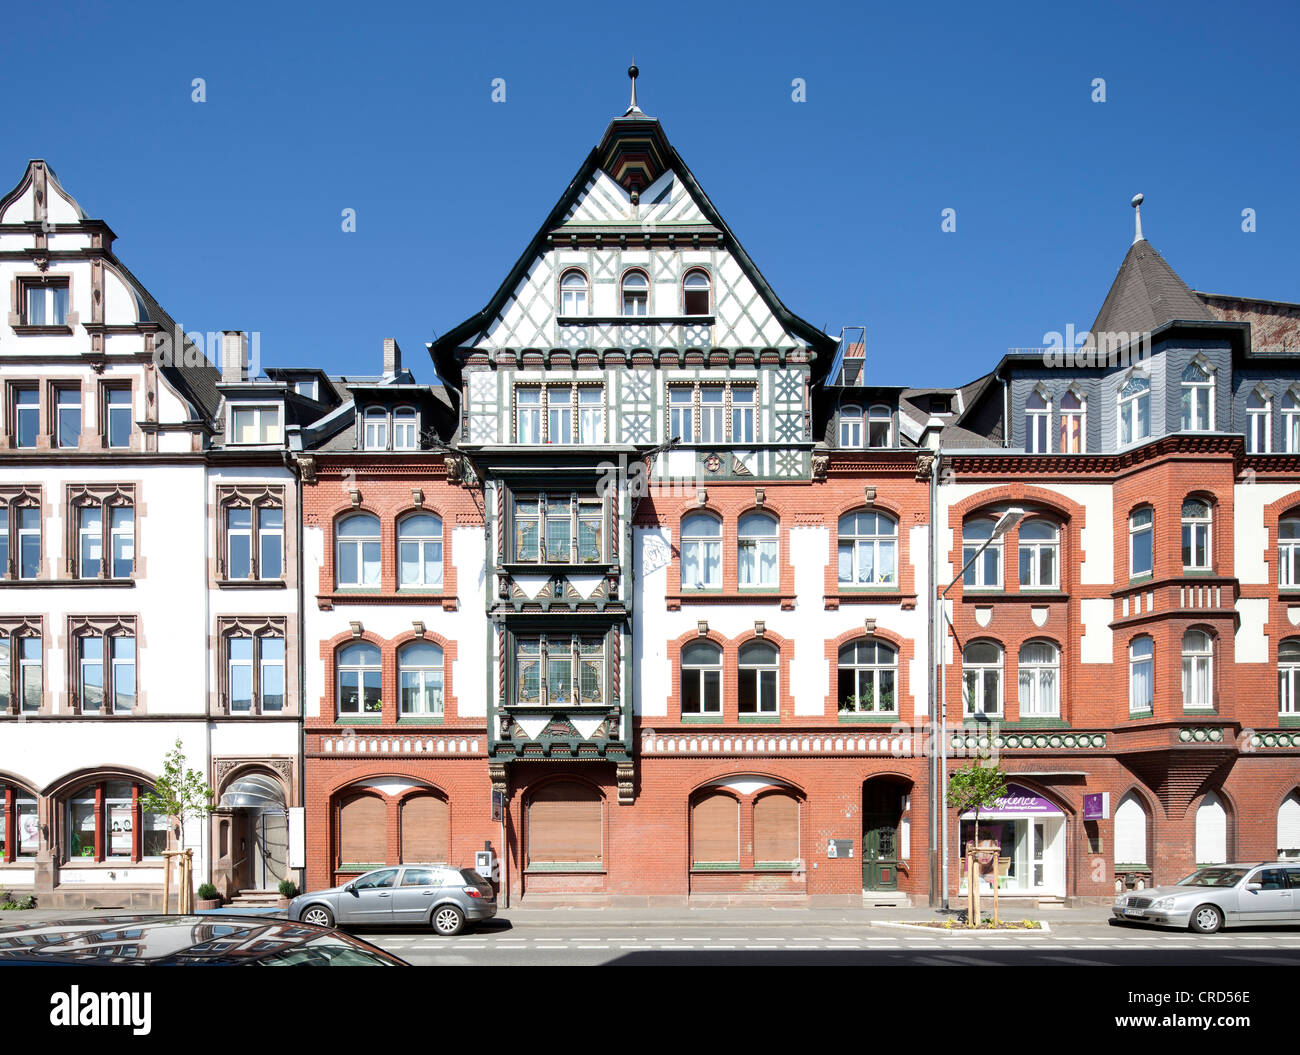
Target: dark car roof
(171, 941)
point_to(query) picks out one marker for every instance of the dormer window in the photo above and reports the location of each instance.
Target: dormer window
(1073, 424)
(255, 425)
(1198, 398)
(697, 292)
(880, 426)
(376, 429)
(405, 429)
(573, 293)
(305, 388)
(1038, 424)
(850, 426)
(636, 293)
(1134, 411)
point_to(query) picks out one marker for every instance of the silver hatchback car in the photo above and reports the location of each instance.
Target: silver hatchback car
(443, 897)
(1217, 896)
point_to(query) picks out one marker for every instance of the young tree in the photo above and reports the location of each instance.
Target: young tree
(975, 788)
(179, 793)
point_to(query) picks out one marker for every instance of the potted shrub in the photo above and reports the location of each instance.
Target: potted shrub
(288, 891)
(207, 898)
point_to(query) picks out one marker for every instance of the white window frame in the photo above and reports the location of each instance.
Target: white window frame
(687, 416)
(429, 682)
(1288, 677)
(375, 429)
(1201, 533)
(1035, 549)
(266, 421)
(855, 545)
(556, 420)
(695, 288)
(49, 302)
(1259, 423)
(1134, 396)
(406, 429)
(575, 300)
(114, 405)
(1134, 530)
(1197, 397)
(428, 550)
(701, 670)
(637, 296)
(976, 575)
(981, 670)
(1079, 416)
(1198, 673)
(871, 670)
(707, 550)
(851, 427)
(1288, 553)
(766, 672)
(359, 543)
(1038, 423)
(877, 414)
(763, 573)
(360, 668)
(68, 398)
(1291, 422)
(1040, 691)
(1138, 660)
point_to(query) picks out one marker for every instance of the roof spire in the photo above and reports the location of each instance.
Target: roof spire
(632, 72)
(1137, 218)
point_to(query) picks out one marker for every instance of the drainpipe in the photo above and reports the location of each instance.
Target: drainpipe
(292, 466)
(934, 643)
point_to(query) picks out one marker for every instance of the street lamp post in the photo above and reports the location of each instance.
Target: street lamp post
(1005, 523)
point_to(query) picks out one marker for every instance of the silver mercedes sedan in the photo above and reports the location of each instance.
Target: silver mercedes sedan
(440, 896)
(1217, 896)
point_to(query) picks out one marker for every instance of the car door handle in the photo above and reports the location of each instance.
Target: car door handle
(385, 895)
(428, 893)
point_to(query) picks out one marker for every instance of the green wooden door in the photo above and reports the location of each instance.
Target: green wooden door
(880, 852)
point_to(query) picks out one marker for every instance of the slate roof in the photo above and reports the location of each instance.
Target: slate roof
(1146, 294)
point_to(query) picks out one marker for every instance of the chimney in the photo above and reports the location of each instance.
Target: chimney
(234, 356)
(392, 357)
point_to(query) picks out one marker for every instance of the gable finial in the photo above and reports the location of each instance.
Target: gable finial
(1137, 218)
(633, 72)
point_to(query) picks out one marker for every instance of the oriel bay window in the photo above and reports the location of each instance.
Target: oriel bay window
(558, 529)
(568, 413)
(868, 675)
(758, 676)
(104, 666)
(560, 670)
(105, 822)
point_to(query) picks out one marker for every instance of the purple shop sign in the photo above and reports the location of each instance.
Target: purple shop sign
(1016, 802)
(1096, 807)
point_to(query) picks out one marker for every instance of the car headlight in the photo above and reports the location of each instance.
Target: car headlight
(1121, 901)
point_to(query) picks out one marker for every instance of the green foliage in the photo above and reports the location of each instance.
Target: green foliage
(207, 892)
(287, 888)
(179, 793)
(976, 788)
(22, 904)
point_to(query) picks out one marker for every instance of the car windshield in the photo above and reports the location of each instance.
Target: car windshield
(1214, 877)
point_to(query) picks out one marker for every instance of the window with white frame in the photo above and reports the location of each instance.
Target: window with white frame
(254, 542)
(743, 410)
(1197, 398)
(419, 551)
(20, 541)
(105, 528)
(528, 416)
(26, 416)
(105, 668)
(1288, 677)
(1198, 671)
(558, 529)
(697, 413)
(1291, 423)
(559, 414)
(1259, 423)
(1040, 554)
(981, 668)
(636, 293)
(376, 429)
(850, 427)
(419, 679)
(711, 415)
(756, 550)
(254, 425)
(880, 426)
(1040, 680)
(1135, 411)
(1074, 424)
(1141, 675)
(22, 672)
(357, 551)
(867, 549)
(118, 415)
(255, 673)
(1288, 552)
(867, 677)
(67, 416)
(45, 303)
(697, 292)
(406, 429)
(1196, 535)
(758, 674)
(701, 552)
(591, 414)
(1038, 424)
(560, 670)
(986, 571)
(1288, 829)
(681, 413)
(1141, 542)
(573, 293)
(702, 678)
(359, 680)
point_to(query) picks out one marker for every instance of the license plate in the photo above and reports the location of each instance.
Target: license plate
(1135, 912)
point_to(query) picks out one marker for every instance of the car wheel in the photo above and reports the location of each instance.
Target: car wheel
(448, 920)
(1206, 919)
(319, 915)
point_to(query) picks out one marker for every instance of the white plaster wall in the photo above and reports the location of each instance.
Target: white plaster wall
(1250, 538)
(1251, 643)
(1097, 644)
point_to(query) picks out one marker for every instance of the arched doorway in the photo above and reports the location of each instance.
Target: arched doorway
(259, 846)
(886, 831)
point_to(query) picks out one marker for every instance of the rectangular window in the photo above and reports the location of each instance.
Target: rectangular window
(254, 542)
(45, 303)
(560, 670)
(90, 542)
(591, 415)
(21, 675)
(101, 526)
(680, 414)
(559, 414)
(1037, 429)
(742, 415)
(711, 420)
(558, 529)
(757, 690)
(117, 412)
(26, 416)
(697, 413)
(1141, 535)
(528, 416)
(255, 674)
(90, 659)
(67, 416)
(270, 541)
(255, 425)
(20, 541)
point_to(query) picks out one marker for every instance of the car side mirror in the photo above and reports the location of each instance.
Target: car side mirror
(1255, 885)
(350, 889)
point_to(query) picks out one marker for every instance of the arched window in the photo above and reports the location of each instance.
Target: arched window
(105, 821)
(981, 667)
(715, 831)
(1211, 831)
(868, 549)
(880, 429)
(1040, 679)
(702, 678)
(405, 429)
(850, 427)
(1198, 398)
(1288, 552)
(986, 572)
(419, 677)
(757, 547)
(359, 691)
(363, 833)
(1141, 673)
(357, 551)
(20, 830)
(376, 429)
(573, 293)
(1141, 542)
(1291, 423)
(1040, 554)
(1288, 676)
(759, 674)
(1038, 424)
(868, 677)
(419, 551)
(697, 292)
(636, 293)
(1130, 833)
(701, 552)
(425, 826)
(1288, 827)
(564, 825)
(1134, 411)
(1259, 423)
(1198, 671)
(776, 830)
(1196, 535)
(1074, 424)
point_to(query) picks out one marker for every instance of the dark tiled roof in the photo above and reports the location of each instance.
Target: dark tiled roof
(1146, 294)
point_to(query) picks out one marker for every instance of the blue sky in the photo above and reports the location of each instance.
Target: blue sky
(229, 210)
